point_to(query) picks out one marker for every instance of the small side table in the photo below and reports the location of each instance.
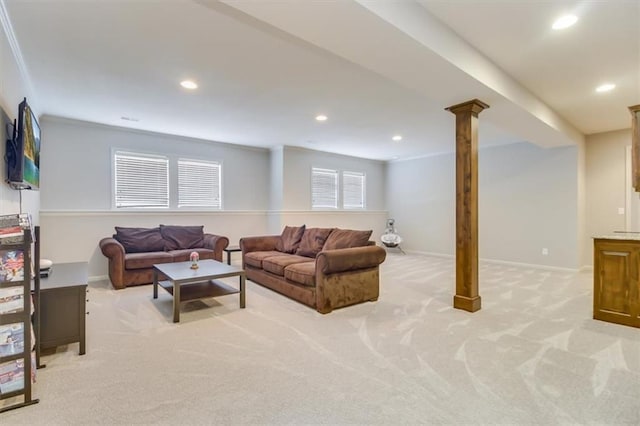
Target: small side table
(63, 297)
(229, 250)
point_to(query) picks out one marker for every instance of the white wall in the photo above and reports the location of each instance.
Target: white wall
(527, 201)
(296, 193)
(78, 173)
(421, 197)
(77, 193)
(277, 185)
(605, 186)
(298, 163)
(276, 169)
(583, 239)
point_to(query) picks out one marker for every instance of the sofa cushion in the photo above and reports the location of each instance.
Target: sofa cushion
(255, 258)
(184, 255)
(290, 239)
(346, 238)
(302, 273)
(182, 237)
(277, 264)
(139, 240)
(312, 241)
(146, 260)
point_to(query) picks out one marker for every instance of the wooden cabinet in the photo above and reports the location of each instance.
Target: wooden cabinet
(616, 280)
(63, 309)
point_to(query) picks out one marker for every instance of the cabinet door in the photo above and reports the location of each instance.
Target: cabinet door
(616, 282)
(61, 316)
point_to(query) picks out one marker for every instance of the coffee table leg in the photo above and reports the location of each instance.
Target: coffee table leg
(242, 301)
(155, 283)
(176, 302)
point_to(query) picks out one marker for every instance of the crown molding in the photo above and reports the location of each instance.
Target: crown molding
(17, 53)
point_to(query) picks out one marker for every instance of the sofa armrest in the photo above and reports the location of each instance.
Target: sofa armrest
(114, 251)
(263, 243)
(217, 243)
(349, 259)
(112, 248)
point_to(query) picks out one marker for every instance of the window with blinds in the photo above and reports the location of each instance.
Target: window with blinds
(324, 189)
(141, 180)
(199, 184)
(353, 190)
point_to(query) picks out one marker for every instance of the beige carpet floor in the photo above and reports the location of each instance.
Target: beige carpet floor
(532, 355)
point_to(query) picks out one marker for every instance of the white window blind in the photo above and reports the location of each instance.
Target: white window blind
(141, 180)
(353, 190)
(324, 188)
(199, 184)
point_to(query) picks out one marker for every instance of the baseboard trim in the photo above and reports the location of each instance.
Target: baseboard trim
(500, 262)
(430, 253)
(98, 278)
(530, 265)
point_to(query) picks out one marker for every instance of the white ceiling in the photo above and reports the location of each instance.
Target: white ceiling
(265, 69)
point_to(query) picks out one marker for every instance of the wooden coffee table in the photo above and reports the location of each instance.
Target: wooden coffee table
(187, 284)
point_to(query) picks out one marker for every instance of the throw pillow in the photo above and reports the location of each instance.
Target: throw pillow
(346, 238)
(312, 241)
(290, 239)
(139, 240)
(182, 237)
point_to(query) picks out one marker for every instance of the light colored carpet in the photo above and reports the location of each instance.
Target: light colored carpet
(532, 355)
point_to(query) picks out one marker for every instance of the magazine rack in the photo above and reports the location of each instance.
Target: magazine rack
(17, 360)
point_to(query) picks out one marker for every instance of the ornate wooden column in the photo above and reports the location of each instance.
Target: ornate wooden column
(467, 296)
(635, 146)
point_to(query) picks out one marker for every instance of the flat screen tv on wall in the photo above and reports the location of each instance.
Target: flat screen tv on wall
(23, 151)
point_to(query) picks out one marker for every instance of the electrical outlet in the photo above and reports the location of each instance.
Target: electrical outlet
(620, 210)
(545, 251)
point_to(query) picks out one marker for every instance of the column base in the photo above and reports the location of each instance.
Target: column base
(469, 304)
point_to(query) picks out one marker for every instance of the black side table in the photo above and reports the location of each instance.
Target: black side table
(230, 250)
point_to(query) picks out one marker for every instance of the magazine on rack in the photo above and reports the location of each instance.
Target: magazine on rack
(11, 300)
(11, 265)
(12, 339)
(12, 227)
(10, 230)
(12, 376)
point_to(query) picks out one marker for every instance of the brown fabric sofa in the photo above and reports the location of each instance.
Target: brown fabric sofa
(325, 268)
(132, 252)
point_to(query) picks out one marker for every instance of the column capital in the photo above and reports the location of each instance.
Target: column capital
(475, 106)
(634, 108)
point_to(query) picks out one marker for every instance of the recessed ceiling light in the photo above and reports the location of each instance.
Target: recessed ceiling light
(564, 22)
(321, 117)
(397, 138)
(189, 84)
(605, 87)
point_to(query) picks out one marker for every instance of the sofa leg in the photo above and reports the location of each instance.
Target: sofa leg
(375, 299)
(324, 310)
(117, 287)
